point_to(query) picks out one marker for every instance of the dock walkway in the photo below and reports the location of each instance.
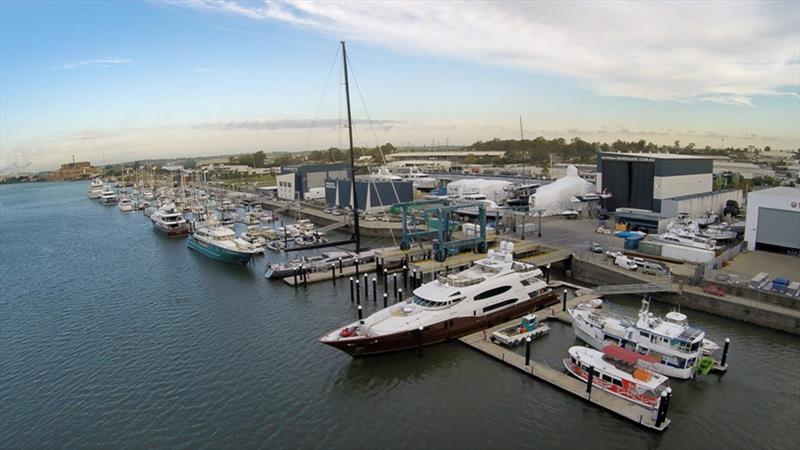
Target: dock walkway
(572, 385)
(541, 371)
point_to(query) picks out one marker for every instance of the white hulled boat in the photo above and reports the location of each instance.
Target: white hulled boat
(687, 238)
(677, 346)
(496, 289)
(95, 188)
(109, 197)
(419, 179)
(619, 372)
(125, 204)
(169, 221)
(318, 263)
(383, 174)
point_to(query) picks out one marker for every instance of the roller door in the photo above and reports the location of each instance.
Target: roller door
(778, 227)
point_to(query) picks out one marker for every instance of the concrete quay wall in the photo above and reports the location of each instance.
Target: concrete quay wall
(746, 310)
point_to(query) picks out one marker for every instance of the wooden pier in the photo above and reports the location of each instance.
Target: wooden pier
(557, 378)
(568, 383)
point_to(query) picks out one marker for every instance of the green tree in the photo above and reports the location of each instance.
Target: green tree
(258, 159)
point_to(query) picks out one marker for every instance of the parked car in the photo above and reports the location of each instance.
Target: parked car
(625, 263)
(714, 290)
(652, 268)
(595, 247)
(638, 261)
(613, 255)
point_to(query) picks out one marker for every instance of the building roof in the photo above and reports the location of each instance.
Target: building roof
(658, 155)
(780, 191)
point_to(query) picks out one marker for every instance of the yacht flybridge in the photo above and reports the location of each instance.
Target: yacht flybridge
(494, 290)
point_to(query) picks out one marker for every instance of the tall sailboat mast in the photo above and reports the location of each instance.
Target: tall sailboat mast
(355, 237)
(356, 230)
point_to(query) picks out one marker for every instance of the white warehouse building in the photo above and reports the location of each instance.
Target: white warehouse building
(773, 219)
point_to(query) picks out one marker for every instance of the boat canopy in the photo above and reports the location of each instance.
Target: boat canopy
(627, 356)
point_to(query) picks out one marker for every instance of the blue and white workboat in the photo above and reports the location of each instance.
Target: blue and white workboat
(221, 243)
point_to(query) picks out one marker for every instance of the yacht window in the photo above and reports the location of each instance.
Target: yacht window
(492, 292)
(606, 378)
(617, 381)
(431, 304)
(500, 304)
(644, 334)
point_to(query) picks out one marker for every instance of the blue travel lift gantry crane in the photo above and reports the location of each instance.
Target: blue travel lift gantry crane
(442, 245)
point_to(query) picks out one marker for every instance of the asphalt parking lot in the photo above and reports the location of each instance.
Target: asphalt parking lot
(575, 234)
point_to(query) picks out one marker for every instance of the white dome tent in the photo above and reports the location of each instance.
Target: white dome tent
(555, 197)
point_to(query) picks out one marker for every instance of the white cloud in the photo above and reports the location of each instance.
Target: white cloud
(100, 62)
(726, 52)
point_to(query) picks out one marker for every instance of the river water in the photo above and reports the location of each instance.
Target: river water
(112, 336)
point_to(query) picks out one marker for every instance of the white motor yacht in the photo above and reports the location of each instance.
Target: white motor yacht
(109, 197)
(125, 204)
(419, 179)
(221, 243)
(383, 174)
(169, 221)
(496, 289)
(676, 346)
(95, 188)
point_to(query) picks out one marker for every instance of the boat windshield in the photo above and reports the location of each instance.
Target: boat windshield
(434, 304)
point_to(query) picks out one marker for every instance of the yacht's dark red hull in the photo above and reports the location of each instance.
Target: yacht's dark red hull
(440, 332)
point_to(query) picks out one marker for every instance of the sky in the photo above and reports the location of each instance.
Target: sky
(117, 81)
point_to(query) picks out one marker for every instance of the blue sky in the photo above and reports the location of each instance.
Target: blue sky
(127, 80)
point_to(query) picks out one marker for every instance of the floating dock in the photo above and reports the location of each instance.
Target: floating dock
(638, 414)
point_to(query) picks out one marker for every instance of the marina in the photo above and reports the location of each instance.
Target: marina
(192, 259)
(273, 318)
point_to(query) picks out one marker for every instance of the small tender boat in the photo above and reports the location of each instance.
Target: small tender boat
(276, 245)
(619, 372)
(516, 334)
(309, 239)
(221, 243)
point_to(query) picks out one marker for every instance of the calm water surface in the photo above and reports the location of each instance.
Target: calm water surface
(112, 336)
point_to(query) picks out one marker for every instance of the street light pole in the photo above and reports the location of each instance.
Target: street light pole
(540, 223)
